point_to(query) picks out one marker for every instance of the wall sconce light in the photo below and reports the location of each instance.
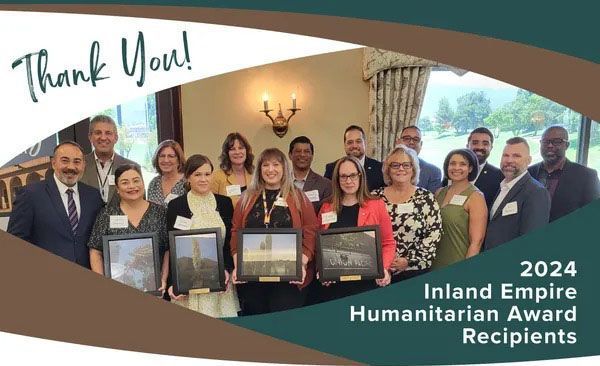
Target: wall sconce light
(280, 123)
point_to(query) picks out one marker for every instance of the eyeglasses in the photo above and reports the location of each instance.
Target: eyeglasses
(405, 165)
(553, 142)
(408, 139)
(352, 177)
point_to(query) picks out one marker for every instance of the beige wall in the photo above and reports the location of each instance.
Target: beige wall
(330, 91)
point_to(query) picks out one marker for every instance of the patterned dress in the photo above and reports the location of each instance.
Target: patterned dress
(155, 192)
(214, 304)
(417, 233)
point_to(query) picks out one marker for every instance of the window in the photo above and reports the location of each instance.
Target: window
(594, 150)
(137, 127)
(454, 105)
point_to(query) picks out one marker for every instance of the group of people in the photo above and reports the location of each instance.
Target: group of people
(426, 222)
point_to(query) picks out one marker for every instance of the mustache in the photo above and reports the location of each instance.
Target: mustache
(70, 171)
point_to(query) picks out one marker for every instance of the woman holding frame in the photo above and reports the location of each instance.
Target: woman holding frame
(351, 205)
(272, 201)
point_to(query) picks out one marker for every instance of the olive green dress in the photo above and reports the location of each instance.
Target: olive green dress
(455, 225)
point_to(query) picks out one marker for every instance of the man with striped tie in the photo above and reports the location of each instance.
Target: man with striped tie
(58, 214)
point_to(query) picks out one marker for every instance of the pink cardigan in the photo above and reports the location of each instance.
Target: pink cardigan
(373, 212)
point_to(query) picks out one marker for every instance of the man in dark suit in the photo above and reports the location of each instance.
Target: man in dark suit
(570, 185)
(522, 204)
(354, 144)
(58, 214)
(481, 142)
(430, 176)
(101, 163)
(316, 187)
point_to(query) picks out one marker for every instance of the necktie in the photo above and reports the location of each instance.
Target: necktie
(72, 210)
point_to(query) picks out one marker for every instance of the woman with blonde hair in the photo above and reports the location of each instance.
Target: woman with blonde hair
(351, 205)
(272, 201)
(415, 214)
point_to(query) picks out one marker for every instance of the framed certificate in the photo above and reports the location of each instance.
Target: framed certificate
(269, 255)
(133, 260)
(349, 254)
(197, 261)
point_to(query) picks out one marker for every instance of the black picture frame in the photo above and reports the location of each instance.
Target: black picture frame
(289, 245)
(340, 257)
(197, 274)
(121, 267)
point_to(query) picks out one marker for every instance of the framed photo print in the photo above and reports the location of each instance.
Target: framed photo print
(133, 260)
(269, 255)
(197, 261)
(349, 254)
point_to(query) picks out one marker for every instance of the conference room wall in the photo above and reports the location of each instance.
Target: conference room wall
(329, 88)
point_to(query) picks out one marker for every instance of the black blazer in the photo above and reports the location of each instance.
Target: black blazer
(533, 211)
(488, 182)
(179, 207)
(578, 185)
(373, 168)
(39, 217)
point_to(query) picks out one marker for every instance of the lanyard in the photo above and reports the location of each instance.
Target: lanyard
(268, 213)
(103, 182)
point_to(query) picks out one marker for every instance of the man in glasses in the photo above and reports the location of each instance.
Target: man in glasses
(570, 185)
(430, 176)
(355, 145)
(101, 163)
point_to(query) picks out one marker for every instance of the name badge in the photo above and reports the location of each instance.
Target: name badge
(511, 208)
(280, 202)
(328, 218)
(457, 199)
(183, 223)
(170, 197)
(313, 196)
(233, 190)
(119, 222)
(110, 179)
(406, 208)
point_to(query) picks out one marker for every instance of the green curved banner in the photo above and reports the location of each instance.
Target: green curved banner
(504, 314)
(565, 27)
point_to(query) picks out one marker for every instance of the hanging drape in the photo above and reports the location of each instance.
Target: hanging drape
(397, 85)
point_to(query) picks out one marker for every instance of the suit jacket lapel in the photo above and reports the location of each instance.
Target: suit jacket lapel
(309, 185)
(58, 204)
(90, 174)
(512, 193)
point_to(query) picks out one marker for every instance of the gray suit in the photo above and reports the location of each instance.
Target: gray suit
(430, 177)
(90, 174)
(533, 211)
(321, 184)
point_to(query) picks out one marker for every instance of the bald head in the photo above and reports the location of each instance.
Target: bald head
(554, 145)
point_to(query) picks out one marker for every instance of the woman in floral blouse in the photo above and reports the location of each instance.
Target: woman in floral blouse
(415, 214)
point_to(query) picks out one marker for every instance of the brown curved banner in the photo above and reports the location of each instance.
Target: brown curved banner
(565, 79)
(48, 297)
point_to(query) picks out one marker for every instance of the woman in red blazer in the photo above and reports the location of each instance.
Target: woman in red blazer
(273, 201)
(351, 205)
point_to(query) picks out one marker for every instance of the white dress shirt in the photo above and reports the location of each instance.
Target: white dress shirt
(103, 172)
(62, 189)
(505, 187)
(299, 182)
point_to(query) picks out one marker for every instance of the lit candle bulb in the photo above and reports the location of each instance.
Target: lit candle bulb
(265, 99)
(293, 100)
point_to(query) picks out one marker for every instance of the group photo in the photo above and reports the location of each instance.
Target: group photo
(303, 181)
